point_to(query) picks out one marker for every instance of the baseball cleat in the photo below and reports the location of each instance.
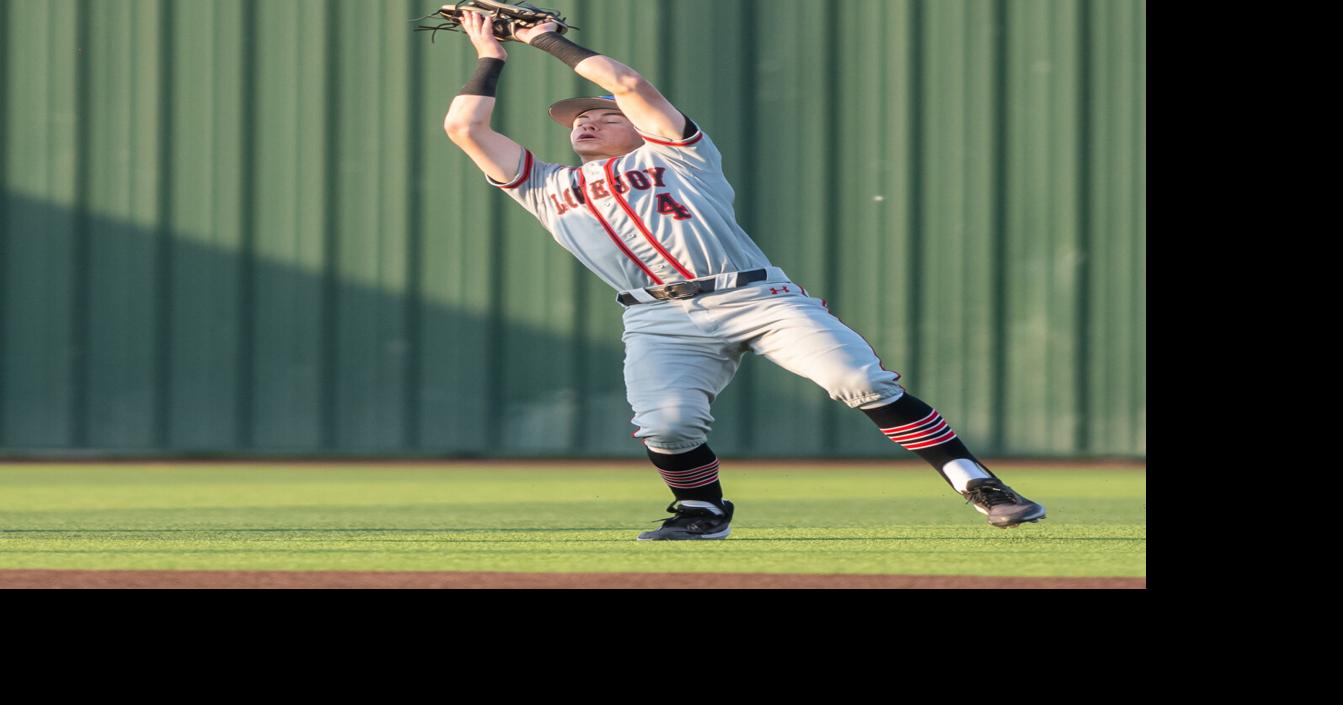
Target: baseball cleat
(1004, 507)
(693, 520)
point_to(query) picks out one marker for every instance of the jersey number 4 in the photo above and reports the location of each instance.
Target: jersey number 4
(668, 206)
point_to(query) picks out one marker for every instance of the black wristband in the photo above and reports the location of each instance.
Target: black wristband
(486, 78)
(555, 44)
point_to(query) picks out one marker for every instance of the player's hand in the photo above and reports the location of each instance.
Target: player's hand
(481, 31)
(530, 33)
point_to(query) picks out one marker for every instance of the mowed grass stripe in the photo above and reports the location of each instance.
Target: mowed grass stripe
(859, 520)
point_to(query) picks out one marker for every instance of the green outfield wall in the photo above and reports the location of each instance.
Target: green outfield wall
(236, 226)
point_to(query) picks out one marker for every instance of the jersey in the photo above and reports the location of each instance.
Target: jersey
(663, 214)
(658, 215)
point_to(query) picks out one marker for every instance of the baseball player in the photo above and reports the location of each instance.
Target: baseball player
(651, 214)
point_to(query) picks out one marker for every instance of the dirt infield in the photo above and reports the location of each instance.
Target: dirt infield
(210, 579)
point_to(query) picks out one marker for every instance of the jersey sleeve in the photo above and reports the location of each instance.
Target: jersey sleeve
(529, 187)
(694, 151)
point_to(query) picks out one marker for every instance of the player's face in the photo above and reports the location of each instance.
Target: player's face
(604, 133)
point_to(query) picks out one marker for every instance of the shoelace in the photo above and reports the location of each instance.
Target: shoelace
(684, 512)
(991, 495)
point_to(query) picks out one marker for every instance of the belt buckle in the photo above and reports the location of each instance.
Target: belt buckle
(682, 290)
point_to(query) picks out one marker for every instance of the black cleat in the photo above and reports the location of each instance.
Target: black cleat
(1003, 507)
(693, 521)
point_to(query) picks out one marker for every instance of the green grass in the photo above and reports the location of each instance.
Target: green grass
(845, 519)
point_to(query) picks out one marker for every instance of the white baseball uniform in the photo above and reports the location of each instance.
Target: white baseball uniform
(664, 214)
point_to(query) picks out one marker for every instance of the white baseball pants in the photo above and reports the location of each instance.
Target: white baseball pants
(680, 355)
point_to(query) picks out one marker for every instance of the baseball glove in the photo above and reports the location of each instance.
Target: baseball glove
(508, 17)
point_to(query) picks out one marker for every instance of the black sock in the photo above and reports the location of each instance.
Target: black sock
(918, 428)
(691, 475)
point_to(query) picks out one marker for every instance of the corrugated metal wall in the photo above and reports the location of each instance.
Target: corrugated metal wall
(236, 225)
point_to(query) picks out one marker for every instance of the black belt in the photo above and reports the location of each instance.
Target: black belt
(691, 289)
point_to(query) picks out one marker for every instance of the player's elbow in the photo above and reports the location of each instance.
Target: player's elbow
(461, 123)
(458, 131)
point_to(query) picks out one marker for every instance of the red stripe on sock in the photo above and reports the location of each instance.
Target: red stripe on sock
(690, 477)
(692, 483)
(921, 429)
(691, 470)
(932, 442)
(910, 426)
(920, 434)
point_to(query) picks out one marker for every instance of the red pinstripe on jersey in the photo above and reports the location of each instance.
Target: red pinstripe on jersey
(611, 183)
(587, 198)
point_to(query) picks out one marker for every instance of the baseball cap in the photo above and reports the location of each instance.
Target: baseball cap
(566, 111)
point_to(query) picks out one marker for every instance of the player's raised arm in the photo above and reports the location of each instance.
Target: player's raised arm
(468, 120)
(636, 97)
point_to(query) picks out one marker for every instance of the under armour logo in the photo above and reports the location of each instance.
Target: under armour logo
(774, 291)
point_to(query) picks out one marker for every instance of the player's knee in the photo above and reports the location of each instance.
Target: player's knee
(861, 386)
(674, 427)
